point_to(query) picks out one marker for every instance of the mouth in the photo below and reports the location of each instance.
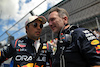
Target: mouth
(53, 27)
(37, 32)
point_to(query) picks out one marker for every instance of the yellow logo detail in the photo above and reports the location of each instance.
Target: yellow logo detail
(18, 66)
(98, 47)
(31, 65)
(44, 47)
(28, 65)
(95, 42)
(0, 53)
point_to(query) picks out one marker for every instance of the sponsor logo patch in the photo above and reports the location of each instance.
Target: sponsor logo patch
(28, 65)
(23, 58)
(98, 47)
(98, 51)
(94, 42)
(31, 65)
(89, 35)
(21, 49)
(44, 47)
(22, 45)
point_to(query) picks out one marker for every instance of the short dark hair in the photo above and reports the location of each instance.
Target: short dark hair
(61, 11)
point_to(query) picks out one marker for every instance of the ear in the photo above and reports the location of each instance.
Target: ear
(26, 27)
(65, 20)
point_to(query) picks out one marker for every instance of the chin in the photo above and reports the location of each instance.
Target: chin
(55, 31)
(37, 35)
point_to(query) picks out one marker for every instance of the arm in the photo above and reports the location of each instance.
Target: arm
(6, 53)
(89, 47)
(96, 66)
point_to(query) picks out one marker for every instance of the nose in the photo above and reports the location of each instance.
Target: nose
(50, 23)
(38, 27)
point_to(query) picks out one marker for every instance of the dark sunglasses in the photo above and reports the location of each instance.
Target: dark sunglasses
(36, 24)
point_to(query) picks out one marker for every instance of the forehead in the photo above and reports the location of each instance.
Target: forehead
(53, 14)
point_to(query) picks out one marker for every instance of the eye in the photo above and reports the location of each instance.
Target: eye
(52, 19)
(41, 25)
(35, 24)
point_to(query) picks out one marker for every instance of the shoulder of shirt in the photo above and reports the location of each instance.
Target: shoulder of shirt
(83, 32)
(80, 30)
(74, 29)
(15, 42)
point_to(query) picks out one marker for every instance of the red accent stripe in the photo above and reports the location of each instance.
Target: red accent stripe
(16, 42)
(19, 50)
(98, 51)
(47, 46)
(50, 62)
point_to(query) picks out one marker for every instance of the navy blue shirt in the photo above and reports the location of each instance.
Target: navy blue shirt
(24, 54)
(83, 51)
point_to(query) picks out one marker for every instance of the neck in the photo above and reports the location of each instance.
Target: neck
(32, 38)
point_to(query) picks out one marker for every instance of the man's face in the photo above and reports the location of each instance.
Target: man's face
(34, 29)
(55, 22)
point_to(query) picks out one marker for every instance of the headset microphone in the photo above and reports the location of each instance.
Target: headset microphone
(65, 37)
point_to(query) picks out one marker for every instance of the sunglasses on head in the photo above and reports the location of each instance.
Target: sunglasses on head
(36, 24)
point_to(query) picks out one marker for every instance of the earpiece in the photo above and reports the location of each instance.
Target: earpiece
(65, 37)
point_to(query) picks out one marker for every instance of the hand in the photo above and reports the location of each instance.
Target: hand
(96, 66)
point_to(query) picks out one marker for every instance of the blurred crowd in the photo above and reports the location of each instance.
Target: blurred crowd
(53, 44)
(96, 33)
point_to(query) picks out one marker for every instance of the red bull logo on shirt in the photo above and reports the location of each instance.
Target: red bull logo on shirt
(96, 43)
(22, 45)
(31, 65)
(98, 49)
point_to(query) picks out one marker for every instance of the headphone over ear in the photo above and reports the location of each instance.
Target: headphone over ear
(65, 37)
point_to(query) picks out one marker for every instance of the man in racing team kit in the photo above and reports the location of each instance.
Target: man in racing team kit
(29, 51)
(76, 47)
